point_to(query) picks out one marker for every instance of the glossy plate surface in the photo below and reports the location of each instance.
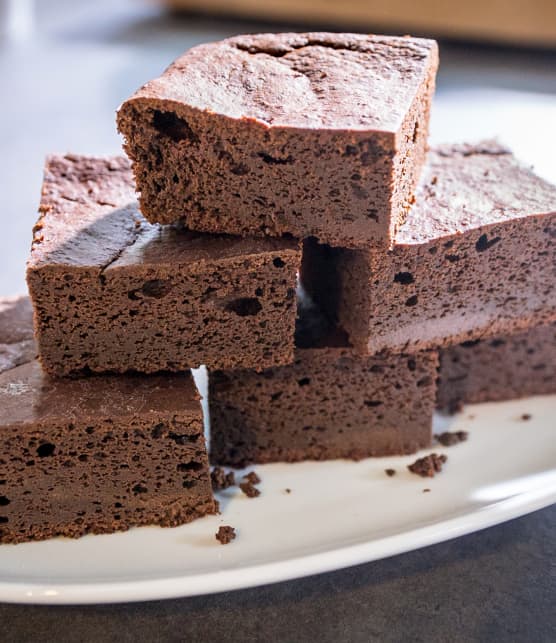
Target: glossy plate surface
(337, 514)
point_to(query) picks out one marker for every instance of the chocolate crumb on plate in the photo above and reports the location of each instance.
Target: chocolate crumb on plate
(221, 480)
(288, 490)
(427, 490)
(526, 416)
(428, 466)
(449, 438)
(249, 489)
(225, 534)
(252, 477)
(390, 472)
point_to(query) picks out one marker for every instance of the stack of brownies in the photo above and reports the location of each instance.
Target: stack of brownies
(295, 235)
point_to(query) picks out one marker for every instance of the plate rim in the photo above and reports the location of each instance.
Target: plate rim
(278, 571)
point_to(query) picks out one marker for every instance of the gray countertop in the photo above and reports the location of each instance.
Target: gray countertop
(63, 75)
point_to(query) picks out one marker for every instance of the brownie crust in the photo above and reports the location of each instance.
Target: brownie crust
(113, 293)
(96, 455)
(330, 403)
(503, 368)
(314, 134)
(475, 258)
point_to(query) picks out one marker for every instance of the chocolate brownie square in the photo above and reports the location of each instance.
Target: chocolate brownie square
(330, 403)
(315, 134)
(95, 455)
(503, 368)
(476, 257)
(114, 293)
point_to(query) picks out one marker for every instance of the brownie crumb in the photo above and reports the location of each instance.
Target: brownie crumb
(428, 466)
(449, 438)
(225, 534)
(288, 490)
(252, 477)
(526, 416)
(390, 472)
(221, 480)
(249, 489)
(426, 490)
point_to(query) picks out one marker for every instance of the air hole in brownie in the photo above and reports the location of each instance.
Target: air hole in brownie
(276, 396)
(2, 482)
(304, 381)
(157, 431)
(83, 457)
(404, 278)
(139, 488)
(278, 262)
(184, 439)
(272, 160)
(244, 307)
(452, 258)
(411, 365)
(373, 403)
(411, 301)
(4, 501)
(484, 243)
(156, 288)
(415, 132)
(3, 520)
(189, 466)
(45, 450)
(189, 484)
(174, 127)
(470, 343)
(425, 381)
(497, 342)
(259, 292)
(239, 170)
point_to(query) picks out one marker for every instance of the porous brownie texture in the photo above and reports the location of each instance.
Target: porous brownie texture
(475, 258)
(502, 368)
(98, 455)
(114, 293)
(314, 134)
(330, 403)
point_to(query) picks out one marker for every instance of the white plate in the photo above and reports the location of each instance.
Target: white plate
(338, 514)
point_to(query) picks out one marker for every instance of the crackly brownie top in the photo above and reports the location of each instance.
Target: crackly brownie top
(306, 80)
(465, 186)
(17, 344)
(27, 395)
(89, 218)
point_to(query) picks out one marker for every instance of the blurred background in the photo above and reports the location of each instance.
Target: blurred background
(66, 65)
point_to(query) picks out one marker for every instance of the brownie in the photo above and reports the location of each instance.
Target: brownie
(475, 258)
(315, 134)
(17, 344)
(114, 293)
(96, 455)
(330, 403)
(502, 368)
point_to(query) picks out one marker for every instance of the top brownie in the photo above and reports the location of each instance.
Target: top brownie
(313, 134)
